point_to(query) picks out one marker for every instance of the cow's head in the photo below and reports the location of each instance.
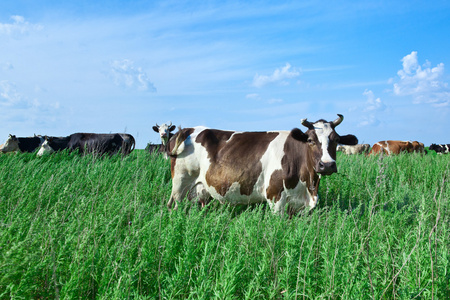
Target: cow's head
(164, 131)
(45, 147)
(11, 144)
(322, 140)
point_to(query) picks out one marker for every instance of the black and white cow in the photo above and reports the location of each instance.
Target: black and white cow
(165, 133)
(21, 144)
(440, 148)
(278, 167)
(96, 143)
(354, 149)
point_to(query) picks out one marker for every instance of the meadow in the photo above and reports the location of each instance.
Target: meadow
(84, 227)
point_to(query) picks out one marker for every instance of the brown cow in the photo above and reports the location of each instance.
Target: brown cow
(396, 147)
(278, 167)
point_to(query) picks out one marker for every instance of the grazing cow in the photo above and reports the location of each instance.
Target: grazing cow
(440, 148)
(354, 149)
(396, 147)
(280, 167)
(85, 142)
(21, 144)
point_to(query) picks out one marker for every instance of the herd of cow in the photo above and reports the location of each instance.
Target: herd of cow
(281, 168)
(96, 143)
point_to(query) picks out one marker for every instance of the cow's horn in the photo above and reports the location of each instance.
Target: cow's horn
(307, 124)
(337, 121)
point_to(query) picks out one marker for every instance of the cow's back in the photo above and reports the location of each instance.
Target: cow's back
(29, 144)
(95, 143)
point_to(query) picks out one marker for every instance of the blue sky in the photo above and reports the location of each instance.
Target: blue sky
(122, 66)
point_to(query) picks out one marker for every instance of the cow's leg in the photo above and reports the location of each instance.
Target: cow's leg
(203, 196)
(278, 205)
(181, 185)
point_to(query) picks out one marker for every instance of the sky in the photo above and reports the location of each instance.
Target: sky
(123, 66)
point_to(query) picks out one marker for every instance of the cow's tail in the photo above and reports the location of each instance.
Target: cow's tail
(179, 143)
(133, 143)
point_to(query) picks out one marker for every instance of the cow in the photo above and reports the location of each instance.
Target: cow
(440, 148)
(128, 143)
(278, 167)
(21, 144)
(165, 133)
(95, 143)
(354, 149)
(396, 147)
(158, 148)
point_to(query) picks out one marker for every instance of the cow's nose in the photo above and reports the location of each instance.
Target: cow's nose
(327, 168)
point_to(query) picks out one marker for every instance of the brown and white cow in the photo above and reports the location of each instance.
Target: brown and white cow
(396, 147)
(280, 167)
(354, 149)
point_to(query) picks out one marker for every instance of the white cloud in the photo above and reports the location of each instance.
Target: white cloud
(18, 27)
(423, 83)
(253, 96)
(9, 96)
(279, 75)
(373, 104)
(372, 107)
(125, 74)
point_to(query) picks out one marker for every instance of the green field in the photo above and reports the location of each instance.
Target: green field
(81, 227)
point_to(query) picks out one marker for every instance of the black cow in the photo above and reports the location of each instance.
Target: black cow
(158, 148)
(440, 148)
(128, 143)
(22, 144)
(88, 143)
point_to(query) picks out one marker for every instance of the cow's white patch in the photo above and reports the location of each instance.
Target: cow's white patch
(45, 149)
(323, 131)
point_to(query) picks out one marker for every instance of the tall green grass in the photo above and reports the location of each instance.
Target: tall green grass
(81, 227)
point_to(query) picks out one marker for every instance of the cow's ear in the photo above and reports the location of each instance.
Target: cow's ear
(172, 128)
(348, 139)
(299, 135)
(155, 128)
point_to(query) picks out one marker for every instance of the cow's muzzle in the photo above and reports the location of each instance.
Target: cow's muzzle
(327, 168)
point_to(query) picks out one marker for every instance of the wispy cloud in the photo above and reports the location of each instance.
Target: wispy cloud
(9, 96)
(280, 75)
(18, 27)
(373, 104)
(125, 74)
(424, 83)
(371, 109)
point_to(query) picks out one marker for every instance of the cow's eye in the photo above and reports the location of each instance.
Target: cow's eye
(310, 141)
